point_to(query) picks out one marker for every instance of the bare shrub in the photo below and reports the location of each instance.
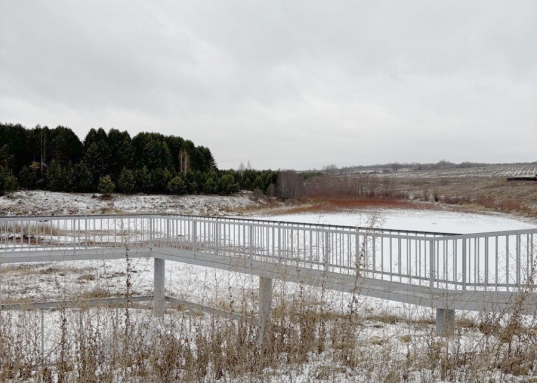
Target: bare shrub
(290, 185)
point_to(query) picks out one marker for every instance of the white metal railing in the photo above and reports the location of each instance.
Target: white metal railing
(499, 261)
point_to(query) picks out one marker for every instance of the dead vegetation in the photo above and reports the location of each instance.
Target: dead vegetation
(312, 337)
(332, 193)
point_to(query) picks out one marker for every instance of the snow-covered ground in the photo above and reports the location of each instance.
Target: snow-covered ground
(418, 220)
(51, 203)
(529, 170)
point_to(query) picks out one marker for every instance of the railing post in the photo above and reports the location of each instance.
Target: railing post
(194, 236)
(167, 231)
(251, 242)
(464, 264)
(217, 236)
(159, 277)
(265, 312)
(431, 263)
(518, 261)
(151, 232)
(73, 228)
(326, 250)
(357, 254)
(373, 255)
(279, 244)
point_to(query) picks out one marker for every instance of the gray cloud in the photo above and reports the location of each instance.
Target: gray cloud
(282, 84)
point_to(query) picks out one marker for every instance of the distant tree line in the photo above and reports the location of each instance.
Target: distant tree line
(56, 160)
(397, 166)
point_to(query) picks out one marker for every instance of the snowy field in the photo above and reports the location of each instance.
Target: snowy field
(485, 171)
(418, 220)
(51, 203)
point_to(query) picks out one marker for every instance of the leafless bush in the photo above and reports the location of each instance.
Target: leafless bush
(290, 185)
(360, 186)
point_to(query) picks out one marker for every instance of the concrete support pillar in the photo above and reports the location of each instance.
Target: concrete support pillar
(159, 277)
(445, 322)
(265, 302)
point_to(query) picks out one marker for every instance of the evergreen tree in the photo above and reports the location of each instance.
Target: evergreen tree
(69, 177)
(92, 159)
(126, 182)
(65, 145)
(39, 150)
(106, 186)
(258, 183)
(227, 185)
(177, 185)
(210, 186)
(55, 178)
(82, 178)
(191, 183)
(119, 146)
(166, 177)
(8, 183)
(13, 152)
(27, 178)
(5, 158)
(97, 153)
(158, 181)
(143, 180)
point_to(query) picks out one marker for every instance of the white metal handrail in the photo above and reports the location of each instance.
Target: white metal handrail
(498, 261)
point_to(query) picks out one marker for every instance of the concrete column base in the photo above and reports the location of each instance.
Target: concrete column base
(265, 310)
(159, 278)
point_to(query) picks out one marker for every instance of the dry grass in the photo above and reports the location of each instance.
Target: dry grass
(308, 338)
(332, 193)
(493, 193)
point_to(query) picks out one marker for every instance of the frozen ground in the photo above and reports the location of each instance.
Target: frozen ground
(419, 220)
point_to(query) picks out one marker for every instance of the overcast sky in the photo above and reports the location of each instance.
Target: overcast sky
(282, 84)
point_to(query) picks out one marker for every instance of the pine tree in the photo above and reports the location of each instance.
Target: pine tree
(126, 182)
(106, 186)
(27, 178)
(177, 185)
(55, 179)
(82, 178)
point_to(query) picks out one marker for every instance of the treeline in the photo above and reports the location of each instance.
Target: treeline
(56, 160)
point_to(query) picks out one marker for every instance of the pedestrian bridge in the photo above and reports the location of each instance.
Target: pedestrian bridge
(445, 271)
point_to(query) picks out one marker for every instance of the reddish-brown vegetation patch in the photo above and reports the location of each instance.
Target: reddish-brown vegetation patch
(334, 205)
(378, 203)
